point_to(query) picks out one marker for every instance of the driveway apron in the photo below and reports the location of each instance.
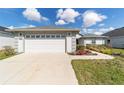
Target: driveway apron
(37, 68)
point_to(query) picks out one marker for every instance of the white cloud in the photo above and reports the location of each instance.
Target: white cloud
(33, 15)
(11, 27)
(60, 22)
(84, 30)
(67, 15)
(97, 31)
(111, 28)
(22, 26)
(103, 30)
(59, 13)
(100, 25)
(91, 18)
(106, 29)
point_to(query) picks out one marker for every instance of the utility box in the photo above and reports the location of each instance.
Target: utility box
(70, 44)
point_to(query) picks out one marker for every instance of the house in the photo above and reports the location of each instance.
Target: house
(41, 39)
(92, 39)
(116, 37)
(6, 38)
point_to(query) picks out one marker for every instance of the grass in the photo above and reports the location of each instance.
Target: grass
(118, 50)
(99, 72)
(105, 49)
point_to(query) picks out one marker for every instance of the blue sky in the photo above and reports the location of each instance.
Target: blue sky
(88, 20)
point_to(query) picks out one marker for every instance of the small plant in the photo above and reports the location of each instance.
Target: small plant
(80, 47)
(8, 51)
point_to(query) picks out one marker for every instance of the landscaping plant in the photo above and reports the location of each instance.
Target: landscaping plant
(6, 52)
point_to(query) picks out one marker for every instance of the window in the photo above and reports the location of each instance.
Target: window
(69, 34)
(32, 36)
(108, 41)
(37, 36)
(93, 41)
(73, 34)
(43, 36)
(20, 34)
(58, 36)
(63, 35)
(52, 36)
(47, 36)
(27, 36)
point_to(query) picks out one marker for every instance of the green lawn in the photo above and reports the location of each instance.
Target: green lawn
(118, 50)
(105, 49)
(95, 72)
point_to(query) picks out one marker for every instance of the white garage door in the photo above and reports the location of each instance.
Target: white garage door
(44, 45)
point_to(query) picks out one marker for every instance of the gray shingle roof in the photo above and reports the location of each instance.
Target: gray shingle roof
(2, 28)
(44, 28)
(116, 32)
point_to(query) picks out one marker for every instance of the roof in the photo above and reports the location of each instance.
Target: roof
(78, 36)
(93, 36)
(46, 28)
(116, 32)
(2, 28)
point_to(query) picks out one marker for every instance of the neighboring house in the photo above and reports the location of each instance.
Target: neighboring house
(6, 38)
(116, 37)
(92, 39)
(41, 39)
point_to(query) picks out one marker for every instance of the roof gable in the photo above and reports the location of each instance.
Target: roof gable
(2, 28)
(116, 32)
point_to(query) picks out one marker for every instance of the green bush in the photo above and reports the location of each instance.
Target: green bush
(8, 51)
(107, 51)
(80, 47)
(100, 48)
(2, 54)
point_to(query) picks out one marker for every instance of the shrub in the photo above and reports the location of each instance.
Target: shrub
(2, 54)
(80, 47)
(8, 51)
(107, 51)
(83, 52)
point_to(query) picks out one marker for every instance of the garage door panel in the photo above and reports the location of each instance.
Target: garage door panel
(42, 45)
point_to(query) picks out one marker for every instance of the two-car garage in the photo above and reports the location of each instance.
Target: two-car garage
(42, 39)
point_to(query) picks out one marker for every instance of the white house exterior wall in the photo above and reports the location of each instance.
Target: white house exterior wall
(7, 39)
(117, 42)
(100, 42)
(85, 41)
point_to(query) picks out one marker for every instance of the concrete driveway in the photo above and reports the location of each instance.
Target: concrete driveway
(37, 68)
